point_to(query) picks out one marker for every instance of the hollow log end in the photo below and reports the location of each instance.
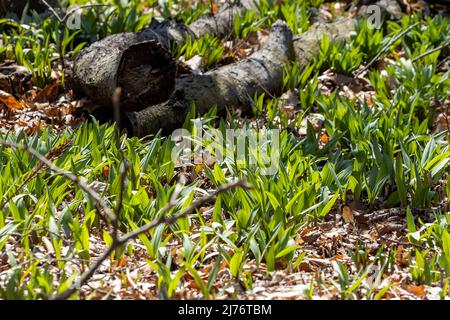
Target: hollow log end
(143, 68)
(146, 75)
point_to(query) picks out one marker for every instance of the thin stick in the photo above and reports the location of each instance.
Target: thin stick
(71, 12)
(447, 43)
(384, 49)
(54, 153)
(144, 229)
(401, 243)
(69, 175)
(52, 10)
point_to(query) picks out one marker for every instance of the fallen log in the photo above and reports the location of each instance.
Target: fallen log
(140, 63)
(232, 85)
(307, 44)
(150, 82)
(144, 70)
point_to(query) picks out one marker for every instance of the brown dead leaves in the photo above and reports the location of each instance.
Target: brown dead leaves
(9, 102)
(36, 109)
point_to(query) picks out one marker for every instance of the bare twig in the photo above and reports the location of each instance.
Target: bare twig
(68, 14)
(445, 44)
(52, 10)
(144, 229)
(119, 204)
(86, 6)
(69, 175)
(56, 152)
(397, 242)
(384, 49)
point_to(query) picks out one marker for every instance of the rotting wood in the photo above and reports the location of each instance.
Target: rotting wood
(232, 85)
(119, 58)
(145, 71)
(163, 106)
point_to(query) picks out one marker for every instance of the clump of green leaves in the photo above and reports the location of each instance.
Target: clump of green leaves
(209, 47)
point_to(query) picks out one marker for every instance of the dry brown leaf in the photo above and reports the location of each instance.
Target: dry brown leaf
(347, 214)
(214, 8)
(311, 236)
(415, 290)
(263, 35)
(324, 138)
(306, 267)
(105, 172)
(244, 52)
(49, 93)
(10, 102)
(401, 257)
(369, 100)
(299, 240)
(338, 257)
(319, 262)
(390, 227)
(223, 265)
(48, 245)
(123, 262)
(443, 122)
(210, 160)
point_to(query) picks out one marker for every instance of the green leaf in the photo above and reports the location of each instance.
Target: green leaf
(6, 231)
(235, 263)
(273, 200)
(286, 251)
(198, 280)
(329, 205)
(446, 243)
(410, 221)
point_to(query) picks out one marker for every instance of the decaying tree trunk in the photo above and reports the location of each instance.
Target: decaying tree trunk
(144, 56)
(144, 70)
(140, 63)
(232, 85)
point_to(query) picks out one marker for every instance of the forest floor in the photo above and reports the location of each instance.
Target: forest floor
(357, 209)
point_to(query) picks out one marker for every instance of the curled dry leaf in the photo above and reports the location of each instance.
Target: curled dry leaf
(401, 257)
(48, 245)
(49, 93)
(10, 102)
(324, 138)
(415, 290)
(347, 214)
(105, 172)
(214, 8)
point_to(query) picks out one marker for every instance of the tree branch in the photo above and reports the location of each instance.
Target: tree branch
(69, 175)
(384, 49)
(144, 229)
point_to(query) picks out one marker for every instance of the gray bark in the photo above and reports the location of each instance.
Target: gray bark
(143, 68)
(232, 85)
(307, 44)
(105, 65)
(389, 9)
